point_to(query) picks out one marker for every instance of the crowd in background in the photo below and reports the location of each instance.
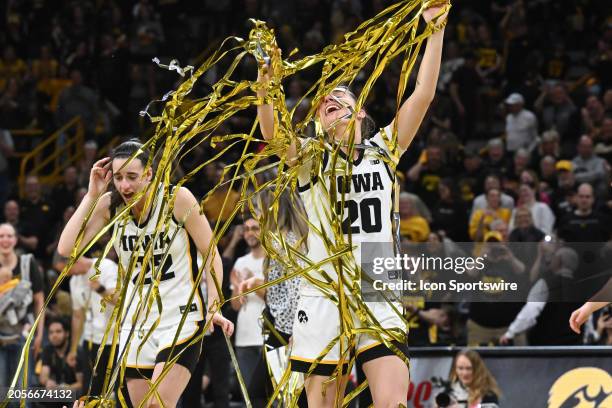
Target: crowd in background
(516, 147)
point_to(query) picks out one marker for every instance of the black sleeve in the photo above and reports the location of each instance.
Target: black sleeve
(46, 356)
(490, 398)
(36, 277)
(80, 361)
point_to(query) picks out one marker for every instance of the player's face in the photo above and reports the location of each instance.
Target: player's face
(131, 178)
(251, 233)
(463, 369)
(8, 239)
(335, 113)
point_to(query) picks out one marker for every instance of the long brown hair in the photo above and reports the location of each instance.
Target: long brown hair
(291, 217)
(483, 381)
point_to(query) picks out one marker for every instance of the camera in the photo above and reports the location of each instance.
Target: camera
(443, 400)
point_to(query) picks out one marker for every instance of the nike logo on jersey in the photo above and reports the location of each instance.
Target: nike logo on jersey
(192, 308)
(359, 183)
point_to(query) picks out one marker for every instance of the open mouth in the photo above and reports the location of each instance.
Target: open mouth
(127, 196)
(331, 109)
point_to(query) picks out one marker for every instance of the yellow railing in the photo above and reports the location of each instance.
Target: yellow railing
(61, 157)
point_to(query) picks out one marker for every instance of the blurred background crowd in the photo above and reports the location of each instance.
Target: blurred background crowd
(516, 147)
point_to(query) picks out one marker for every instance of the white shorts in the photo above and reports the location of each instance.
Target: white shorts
(143, 353)
(317, 323)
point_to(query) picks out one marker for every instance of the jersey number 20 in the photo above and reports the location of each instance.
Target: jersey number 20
(364, 216)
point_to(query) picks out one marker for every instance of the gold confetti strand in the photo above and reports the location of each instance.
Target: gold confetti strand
(243, 387)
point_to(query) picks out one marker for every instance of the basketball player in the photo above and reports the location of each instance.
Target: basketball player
(367, 208)
(170, 261)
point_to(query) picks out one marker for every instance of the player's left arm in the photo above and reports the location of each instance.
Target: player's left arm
(187, 210)
(412, 112)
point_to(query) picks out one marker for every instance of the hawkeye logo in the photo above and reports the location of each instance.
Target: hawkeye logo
(585, 387)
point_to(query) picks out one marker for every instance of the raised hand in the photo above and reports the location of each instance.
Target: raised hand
(432, 12)
(100, 176)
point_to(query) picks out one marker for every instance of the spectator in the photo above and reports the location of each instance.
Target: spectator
(603, 148)
(25, 268)
(15, 106)
(480, 223)
(530, 177)
(412, 224)
(543, 217)
(464, 86)
(45, 67)
(588, 167)
(564, 196)
(584, 224)
(557, 111)
(472, 178)
(219, 205)
(7, 149)
(521, 124)
(90, 156)
(491, 182)
(548, 145)
(426, 174)
(281, 299)
(26, 232)
(449, 214)
(472, 382)
(593, 115)
(524, 230)
(249, 338)
(56, 373)
(520, 163)
(11, 66)
(78, 100)
(430, 322)
(496, 162)
(89, 323)
(548, 302)
(487, 324)
(38, 211)
(548, 174)
(63, 194)
(15, 319)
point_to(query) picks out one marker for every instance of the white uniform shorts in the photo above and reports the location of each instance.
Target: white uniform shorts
(143, 353)
(317, 323)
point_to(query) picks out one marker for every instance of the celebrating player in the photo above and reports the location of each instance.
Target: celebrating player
(169, 256)
(318, 321)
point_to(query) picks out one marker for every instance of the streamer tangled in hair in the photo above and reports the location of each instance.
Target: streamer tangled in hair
(378, 41)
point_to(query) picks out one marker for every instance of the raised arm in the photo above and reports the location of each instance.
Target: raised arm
(265, 114)
(412, 112)
(99, 178)
(187, 209)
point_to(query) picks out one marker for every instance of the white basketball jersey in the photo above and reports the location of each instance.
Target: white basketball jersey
(365, 210)
(83, 297)
(171, 264)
